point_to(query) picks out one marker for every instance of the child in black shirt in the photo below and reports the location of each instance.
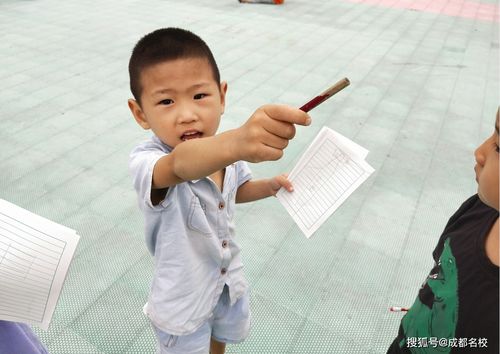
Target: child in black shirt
(457, 308)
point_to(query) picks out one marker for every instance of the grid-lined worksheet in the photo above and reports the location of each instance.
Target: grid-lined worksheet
(35, 254)
(329, 171)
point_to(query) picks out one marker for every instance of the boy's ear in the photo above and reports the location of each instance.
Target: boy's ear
(138, 114)
(223, 90)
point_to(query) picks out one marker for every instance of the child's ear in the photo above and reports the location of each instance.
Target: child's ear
(223, 90)
(138, 114)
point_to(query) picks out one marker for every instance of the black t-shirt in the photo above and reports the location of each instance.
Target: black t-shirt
(457, 309)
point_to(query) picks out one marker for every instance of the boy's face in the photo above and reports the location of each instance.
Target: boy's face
(180, 100)
(487, 169)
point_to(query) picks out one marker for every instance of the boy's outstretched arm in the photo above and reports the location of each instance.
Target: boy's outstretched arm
(262, 138)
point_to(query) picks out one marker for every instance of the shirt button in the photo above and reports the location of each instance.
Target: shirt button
(224, 244)
(223, 271)
(221, 205)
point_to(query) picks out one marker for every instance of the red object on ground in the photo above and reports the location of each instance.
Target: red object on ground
(275, 2)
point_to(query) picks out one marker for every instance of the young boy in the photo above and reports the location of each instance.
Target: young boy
(188, 179)
(456, 310)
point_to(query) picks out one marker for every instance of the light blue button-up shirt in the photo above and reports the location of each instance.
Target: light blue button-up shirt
(191, 235)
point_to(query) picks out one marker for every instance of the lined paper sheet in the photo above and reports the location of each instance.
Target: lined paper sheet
(330, 170)
(35, 254)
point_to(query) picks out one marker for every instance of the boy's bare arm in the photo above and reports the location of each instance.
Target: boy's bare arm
(262, 188)
(253, 190)
(194, 159)
(262, 138)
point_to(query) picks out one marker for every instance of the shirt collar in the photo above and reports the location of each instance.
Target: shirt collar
(165, 147)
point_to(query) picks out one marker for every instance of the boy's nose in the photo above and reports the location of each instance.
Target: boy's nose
(186, 115)
(479, 155)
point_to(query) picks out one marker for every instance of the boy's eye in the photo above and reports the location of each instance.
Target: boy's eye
(166, 101)
(199, 96)
(496, 148)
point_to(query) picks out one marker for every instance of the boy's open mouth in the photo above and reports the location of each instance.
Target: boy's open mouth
(191, 135)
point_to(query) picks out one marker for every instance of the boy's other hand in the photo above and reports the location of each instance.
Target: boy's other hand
(280, 181)
(266, 133)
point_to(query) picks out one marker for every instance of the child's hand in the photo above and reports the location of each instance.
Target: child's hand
(266, 134)
(280, 181)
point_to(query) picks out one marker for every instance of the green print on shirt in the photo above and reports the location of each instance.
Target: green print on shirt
(439, 320)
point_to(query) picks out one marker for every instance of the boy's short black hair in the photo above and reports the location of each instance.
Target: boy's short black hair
(166, 44)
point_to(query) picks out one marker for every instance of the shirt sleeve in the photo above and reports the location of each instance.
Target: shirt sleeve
(436, 254)
(141, 164)
(19, 338)
(243, 172)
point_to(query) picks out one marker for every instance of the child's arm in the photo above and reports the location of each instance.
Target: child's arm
(262, 138)
(262, 188)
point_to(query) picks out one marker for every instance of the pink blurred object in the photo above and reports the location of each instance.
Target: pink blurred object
(454, 8)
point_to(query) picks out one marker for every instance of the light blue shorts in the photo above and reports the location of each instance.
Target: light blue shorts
(228, 324)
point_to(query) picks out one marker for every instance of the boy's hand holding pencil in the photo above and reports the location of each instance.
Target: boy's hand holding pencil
(266, 133)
